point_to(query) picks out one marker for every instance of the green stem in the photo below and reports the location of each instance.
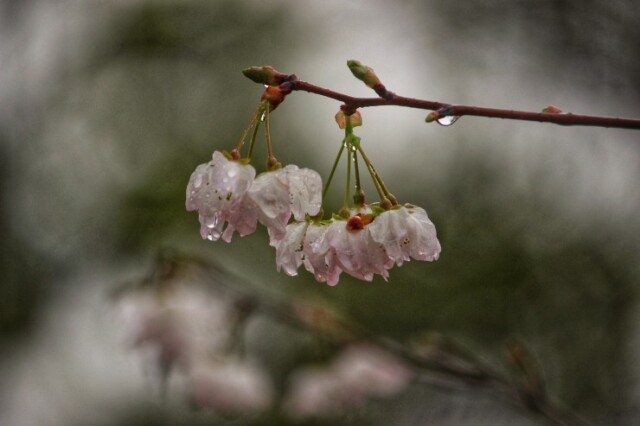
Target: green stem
(252, 121)
(358, 198)
(348, 188)
(253, 139)
(333, 170)
(271, 159)
(382, 190)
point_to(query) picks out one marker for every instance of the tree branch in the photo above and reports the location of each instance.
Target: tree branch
(444, 109)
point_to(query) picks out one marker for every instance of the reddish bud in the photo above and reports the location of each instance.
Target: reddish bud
(359, 221)
(273, 95)
(355, 118)
(552, 109)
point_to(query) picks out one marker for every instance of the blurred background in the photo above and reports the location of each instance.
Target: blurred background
(107, 107)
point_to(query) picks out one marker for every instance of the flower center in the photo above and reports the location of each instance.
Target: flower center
(359, 221)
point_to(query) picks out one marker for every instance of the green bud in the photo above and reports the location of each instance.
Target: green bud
(364, 73)
(432, 116)
(263, 75)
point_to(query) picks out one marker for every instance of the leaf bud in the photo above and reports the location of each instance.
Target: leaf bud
(265, 75)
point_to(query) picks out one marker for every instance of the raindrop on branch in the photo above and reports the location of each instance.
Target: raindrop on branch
(447, 120)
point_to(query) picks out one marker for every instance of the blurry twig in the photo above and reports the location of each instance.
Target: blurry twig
(444, 359)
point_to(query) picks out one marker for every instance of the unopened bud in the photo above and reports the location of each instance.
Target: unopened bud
(265, 75)
(432, 116)
(552, 109)
(274, 96)
(355, 119)
(364, 73)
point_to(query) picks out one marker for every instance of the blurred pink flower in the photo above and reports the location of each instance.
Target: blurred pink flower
(360, 372)
(177, 327)
(231, 387)
(370, 370)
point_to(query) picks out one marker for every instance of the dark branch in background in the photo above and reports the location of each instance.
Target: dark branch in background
(438, 360)
(287, 83)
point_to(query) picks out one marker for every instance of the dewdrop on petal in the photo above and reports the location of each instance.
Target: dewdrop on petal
(269, 194)
(216, 190)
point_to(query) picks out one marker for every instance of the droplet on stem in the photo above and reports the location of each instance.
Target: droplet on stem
(447, 120)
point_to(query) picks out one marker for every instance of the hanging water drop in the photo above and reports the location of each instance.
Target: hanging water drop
(447, 120)
(211, 222)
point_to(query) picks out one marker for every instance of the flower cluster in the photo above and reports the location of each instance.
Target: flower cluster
(227, 191)
(363, 240)
(369, 242)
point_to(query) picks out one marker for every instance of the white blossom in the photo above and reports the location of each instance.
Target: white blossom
(356, 253)
(280, 194)
(319, 257)
(366, 244)
(406, 232)
(289, 250)
(217, 191)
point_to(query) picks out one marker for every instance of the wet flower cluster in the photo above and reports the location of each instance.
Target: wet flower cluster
(227, 192)
(369, 242)
(230, 198)
(363, 239)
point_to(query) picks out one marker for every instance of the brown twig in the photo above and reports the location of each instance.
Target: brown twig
(445, 109)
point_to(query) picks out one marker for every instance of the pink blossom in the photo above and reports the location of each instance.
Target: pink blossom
(280, 194)
(289, 250)
(305, 243)
(406, 232)
(269, 194)
(305, 189)
(356, 252)
(319, 256)
(217, 191)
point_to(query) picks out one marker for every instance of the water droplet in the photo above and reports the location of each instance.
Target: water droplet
(447, 120)
(262, 117)
(211, 222)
